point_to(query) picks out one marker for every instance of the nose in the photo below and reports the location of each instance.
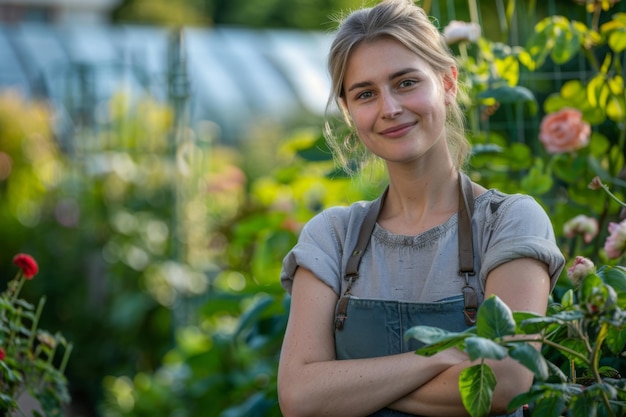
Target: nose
(391, 108)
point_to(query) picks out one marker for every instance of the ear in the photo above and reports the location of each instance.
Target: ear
(450, 85)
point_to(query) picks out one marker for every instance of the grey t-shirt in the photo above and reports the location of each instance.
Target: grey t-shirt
(423, 268)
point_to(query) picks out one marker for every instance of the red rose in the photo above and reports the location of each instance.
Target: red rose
(564, 131)
(2, 354)
(27, 264)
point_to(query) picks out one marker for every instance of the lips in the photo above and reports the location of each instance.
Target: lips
(398, 130)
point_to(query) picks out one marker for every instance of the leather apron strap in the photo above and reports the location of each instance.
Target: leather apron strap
(472, 297)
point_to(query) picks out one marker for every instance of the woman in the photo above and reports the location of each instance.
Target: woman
(344, 353)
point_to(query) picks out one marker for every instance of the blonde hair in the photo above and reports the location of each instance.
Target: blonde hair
(410, 25)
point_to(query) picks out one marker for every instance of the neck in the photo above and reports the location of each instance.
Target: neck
(420, 201)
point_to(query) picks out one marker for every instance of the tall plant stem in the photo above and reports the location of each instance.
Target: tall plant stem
(595, 364)
(33, 327)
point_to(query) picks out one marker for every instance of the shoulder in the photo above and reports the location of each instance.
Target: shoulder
(495, 207)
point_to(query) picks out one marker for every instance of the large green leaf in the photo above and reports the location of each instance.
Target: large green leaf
(566, 45)
(317, 151)
(537, 181)
(531, 358)
(583, 406)
(617, 40)
(508, 94)
(476, 384)
(479, 347)
(436, 339)
(494, 319)
(549, 406)
(615, 276)
(521, 316)
(616, 338)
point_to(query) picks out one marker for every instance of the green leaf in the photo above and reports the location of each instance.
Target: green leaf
(531, 358)
(616, 108)
(549, 406)
(617, 40)
(578, 346)
(567, 316)
(317, 151)
(494, 319)
(583, 406)
(616, 339)
(566, 45)
(597, 91)
(508, 94)
(598, 145)
(567, 300)
(521, 316)
(479, 347)
(476, 384)
(429, 334)
(614, 276)
(435, 339)
(519, 156)
(537, 182)
(253, 314)
(555, 371)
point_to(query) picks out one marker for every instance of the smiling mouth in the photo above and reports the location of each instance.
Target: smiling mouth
(399, 130)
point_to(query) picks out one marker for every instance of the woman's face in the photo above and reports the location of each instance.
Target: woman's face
(396, 101)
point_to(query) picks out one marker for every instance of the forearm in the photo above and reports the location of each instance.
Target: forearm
(441, 397)
(355, 387)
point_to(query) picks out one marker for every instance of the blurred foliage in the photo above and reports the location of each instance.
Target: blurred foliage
(160, 254)
(301, 14)
(114, 229)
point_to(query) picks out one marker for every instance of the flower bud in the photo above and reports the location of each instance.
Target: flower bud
(458, 31)
(595, 184)
(580, 269)
(581, 224)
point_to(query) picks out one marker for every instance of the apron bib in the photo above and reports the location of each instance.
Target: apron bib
(367, 328)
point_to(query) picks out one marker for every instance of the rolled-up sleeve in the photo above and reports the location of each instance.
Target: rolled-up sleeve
(318, 250)
(522, 229)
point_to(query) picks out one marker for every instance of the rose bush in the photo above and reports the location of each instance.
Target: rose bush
(29, 356)
(585, 331)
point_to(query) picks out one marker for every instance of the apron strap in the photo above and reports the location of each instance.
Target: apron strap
(352, 267)
(466, 252)
(471, 296)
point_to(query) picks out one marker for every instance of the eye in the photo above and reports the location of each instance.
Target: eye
(364, 95)
(406, 83)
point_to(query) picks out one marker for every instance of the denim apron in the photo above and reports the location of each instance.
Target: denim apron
(367, 328)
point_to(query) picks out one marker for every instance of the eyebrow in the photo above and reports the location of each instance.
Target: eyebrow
(396, 74)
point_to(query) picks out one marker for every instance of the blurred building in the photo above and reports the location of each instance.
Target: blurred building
(65, 51)
(56, 11)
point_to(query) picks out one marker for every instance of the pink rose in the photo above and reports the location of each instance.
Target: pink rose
(564, 131)
(583, 225)
(581, 268)
(615, 244)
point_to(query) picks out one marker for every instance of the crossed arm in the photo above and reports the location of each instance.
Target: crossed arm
(311, 382)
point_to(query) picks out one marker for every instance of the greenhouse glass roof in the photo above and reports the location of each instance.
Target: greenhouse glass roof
(235, 76)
